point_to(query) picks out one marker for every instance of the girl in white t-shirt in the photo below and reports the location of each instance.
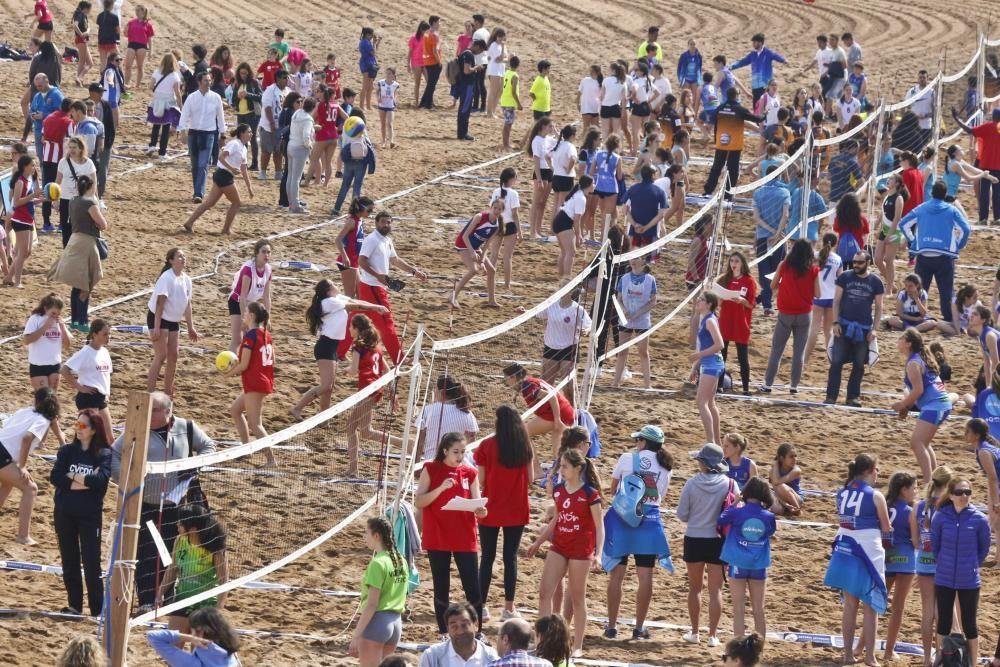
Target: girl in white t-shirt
(88, 371)
(327, 318)
(386, 89)
(22, 432)
(511, 233)
(169, 302)
(613, 93)
(565, 322)
(232, 163)
(496, 67)
(46, 338)
(537, 147)
(588, 97)
(830, 266)
(251, 283)
(566, 225)
(563, 159)
(71, 167)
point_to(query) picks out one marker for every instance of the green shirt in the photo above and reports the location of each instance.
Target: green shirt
(282, 48)
(391, 582)
(195, 572)
(641, 53)
(541, 89)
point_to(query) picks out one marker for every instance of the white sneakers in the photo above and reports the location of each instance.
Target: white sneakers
(507, 615)
(694, 638)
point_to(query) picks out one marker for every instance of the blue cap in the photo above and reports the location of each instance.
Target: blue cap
(651, 433)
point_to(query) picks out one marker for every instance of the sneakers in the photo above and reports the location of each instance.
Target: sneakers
(48, 229)
(853, 402)
(713, 642)
(486, 614)
(793, 390)
(297, 210)
(196, 199)
(277, 174)
(691, 638)
(764, 389)
(262, 175)
(150, 150)
(643, 633)
(82, 328)
(610, 633)
(506, 615)
(101, 204)
(70, 610)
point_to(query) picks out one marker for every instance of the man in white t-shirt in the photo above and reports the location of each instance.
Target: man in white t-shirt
(377, 255)
(267, 131)
(923, 107)
(479, 98)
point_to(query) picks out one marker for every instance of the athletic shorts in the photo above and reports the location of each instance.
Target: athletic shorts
(743, 573)
(712, 367)
(641, 110)
(325, 349)
(562, 222)
(538, 115)
(612, 111)
(590, 115)
(135, 46)
(564, 354)
(19, 226)
(36, 371)
(97, 401)
(562, 183)
(510, 229)
(223, 177)
(935, 417)
(599, 194)
(641, 560)
(508, 115)
(5, 458)
(47, 26)
(823, 303)
(546, 175)
(386, 110)
(386, 627)
(371, 72)
(703, 550)
(707, 116)
(107, 48)
(267, 141)
(165, 325)
(234, 306)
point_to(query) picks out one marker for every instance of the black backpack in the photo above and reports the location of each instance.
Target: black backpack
(954, 652)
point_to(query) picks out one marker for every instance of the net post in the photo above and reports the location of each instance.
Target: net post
(135, 444)
(981, 71)
(936, 121)
(591, 370)
(411, 399)
(807, 177)
(876, 160)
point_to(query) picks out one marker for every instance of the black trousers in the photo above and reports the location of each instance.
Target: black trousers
(149, 570)
(488, 536)
(253, 120)
(79, 537)
(65, 224)
(433, 73)
(968, 603)
(468, 572)
(743, 354)
(465, 106)
(160, 134)
(479, 99)
(49, 172)
(731, 161)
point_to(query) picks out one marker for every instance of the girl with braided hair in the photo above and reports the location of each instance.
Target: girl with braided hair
(383, 597)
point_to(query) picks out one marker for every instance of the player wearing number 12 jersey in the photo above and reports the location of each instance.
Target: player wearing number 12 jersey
(256, 370)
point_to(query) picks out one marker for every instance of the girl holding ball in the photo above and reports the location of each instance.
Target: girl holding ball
(256, 370)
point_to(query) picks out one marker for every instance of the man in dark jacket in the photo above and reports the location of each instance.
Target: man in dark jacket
(103, 113)
(729, 132)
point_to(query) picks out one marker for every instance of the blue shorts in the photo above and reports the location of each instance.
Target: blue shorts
(935, 417)
(743, 573)
(900, 559)
(823, 303)
(926, 563)
(707, 116)
(712, 367)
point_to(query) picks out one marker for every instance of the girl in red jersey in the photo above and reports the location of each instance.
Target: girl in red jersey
(327, 114)
(450, 534)
(554, 416)
(577, 535)
(256, 369)
(736, 312)
(471, 244)
(369, 364)
(351, 235)
(24, 194)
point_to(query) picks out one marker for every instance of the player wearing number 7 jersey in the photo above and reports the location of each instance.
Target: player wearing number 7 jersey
(256, 370)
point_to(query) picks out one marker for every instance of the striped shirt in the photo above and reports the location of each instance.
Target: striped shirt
(437, 419)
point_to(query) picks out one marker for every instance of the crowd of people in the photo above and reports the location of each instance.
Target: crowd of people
(829, 279)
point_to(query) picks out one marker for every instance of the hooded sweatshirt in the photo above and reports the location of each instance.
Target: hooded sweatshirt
(212, 655)
(701, 503)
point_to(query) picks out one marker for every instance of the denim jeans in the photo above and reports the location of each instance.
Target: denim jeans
(767, 266)
(354, 175)
(942, 270)
(846, 351)
(201, 145)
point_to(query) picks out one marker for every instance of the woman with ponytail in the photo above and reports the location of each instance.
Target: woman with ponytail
(537, 148)
(383, 597)
(349, 240)
(830, 266)
(232, 163)
(450, 412)
(925, 391)
(566, 225)
(471, 244)
(510, 233)
(576, 532)
(857, 565)
(981, 326)
(168, 304)
(564, 158)
(743, 651)
(89, 371)
(987, 448)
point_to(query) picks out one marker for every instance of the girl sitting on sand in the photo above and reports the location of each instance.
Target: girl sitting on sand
(785, 479)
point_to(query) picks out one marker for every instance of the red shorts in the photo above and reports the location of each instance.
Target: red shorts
(107, 48)
(567, 413)
(572, 551)
(258, 385)
(79, 40)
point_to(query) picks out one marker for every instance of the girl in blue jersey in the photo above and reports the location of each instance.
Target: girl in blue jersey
(637, 296)
(926, 563)
(830, 266)
(607, 171)
(900, 558)
(471, 244)
(911, 307)
(741, 468)
(705, 337)
(747, 550)
(987, 406)
(924, 390)
(955, 169)
(786, 476)
(981, 326)
(987, 448)
(857, 564)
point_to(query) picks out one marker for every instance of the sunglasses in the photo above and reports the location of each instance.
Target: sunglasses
(82, 425)
(962, 492)
(859, 261)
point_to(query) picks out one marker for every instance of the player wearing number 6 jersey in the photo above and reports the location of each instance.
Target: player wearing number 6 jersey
(857, 565)
(256, 370)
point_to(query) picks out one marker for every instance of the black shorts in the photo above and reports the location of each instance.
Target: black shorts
(5, 458)
(562, 183)
(371, 73)
(562, 222)
(631, 330)
(703, 550)
(641, 110)
(97, 401)
(546, 175)
(135, 46)
(601, 195)
(165, 325)
(223, 177)
(613, 111)
(510, 229)
(44, 371)
(47, 26)
(234, 306)
(325, 349)
(21, 226)
(538, 115)
(565, 354)
(641, 560)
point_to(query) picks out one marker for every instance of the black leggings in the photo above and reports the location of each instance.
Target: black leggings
(80, 538)
(160, 134)
(743, 354)
(968, 603)
(488, 536)
(49, 172)
(252, 120)
(65, 224)
(468, 571)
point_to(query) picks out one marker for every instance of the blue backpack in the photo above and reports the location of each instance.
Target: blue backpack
(847, 248)
(630, 496)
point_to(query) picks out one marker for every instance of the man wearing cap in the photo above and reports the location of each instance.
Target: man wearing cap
(103, 113)
(988, 151)
(699, 507)
(646, 542)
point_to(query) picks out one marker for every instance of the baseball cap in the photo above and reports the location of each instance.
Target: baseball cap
(651, 433)
(95, 88)
(711, 455)
(996, 114)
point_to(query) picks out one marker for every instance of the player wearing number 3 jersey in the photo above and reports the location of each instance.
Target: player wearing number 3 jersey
(256, 370)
